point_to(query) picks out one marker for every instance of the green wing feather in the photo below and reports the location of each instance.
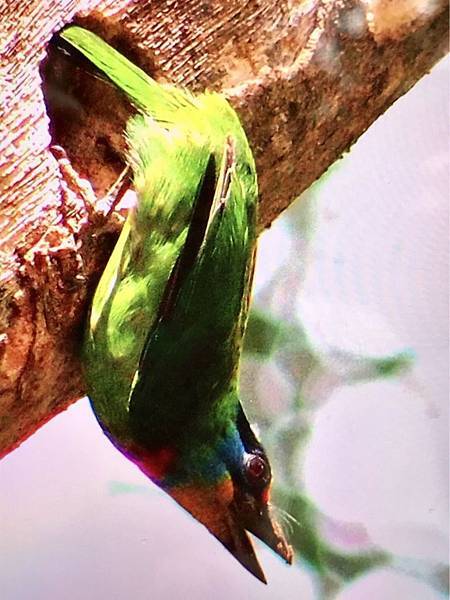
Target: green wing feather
(130, 291)
(191, 353)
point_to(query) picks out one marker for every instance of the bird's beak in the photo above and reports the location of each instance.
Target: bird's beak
(264, 526)
(247, 514)
(230, 519)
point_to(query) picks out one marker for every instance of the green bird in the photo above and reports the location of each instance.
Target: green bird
(164, 335)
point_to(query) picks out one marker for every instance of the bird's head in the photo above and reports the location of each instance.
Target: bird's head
(225, 486)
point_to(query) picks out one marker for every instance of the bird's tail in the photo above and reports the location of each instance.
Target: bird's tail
(144, 93)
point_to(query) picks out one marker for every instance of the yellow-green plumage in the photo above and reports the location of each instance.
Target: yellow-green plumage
(130, 290)
(163, 341)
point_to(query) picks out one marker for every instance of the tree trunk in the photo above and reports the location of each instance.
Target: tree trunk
(307, 77)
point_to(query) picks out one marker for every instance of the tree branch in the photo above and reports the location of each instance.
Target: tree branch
(307, 78)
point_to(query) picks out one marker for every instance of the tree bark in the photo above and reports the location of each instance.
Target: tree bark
(306, 77)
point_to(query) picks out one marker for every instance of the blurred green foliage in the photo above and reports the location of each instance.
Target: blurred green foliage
(280, 344)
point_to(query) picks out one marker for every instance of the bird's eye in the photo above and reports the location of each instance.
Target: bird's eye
(257, 469)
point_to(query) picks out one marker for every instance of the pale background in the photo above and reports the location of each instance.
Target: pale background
(78, 521)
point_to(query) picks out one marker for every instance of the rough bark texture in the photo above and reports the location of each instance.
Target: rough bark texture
(307, 78)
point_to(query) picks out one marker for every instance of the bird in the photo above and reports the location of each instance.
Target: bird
(163, 339)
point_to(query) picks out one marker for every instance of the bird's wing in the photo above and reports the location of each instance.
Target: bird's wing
(210, 200)
(148, 96)
(190, 354)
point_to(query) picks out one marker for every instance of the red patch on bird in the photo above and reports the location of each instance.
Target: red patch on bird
(159, 462)
(265, 495)
(155, 464)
